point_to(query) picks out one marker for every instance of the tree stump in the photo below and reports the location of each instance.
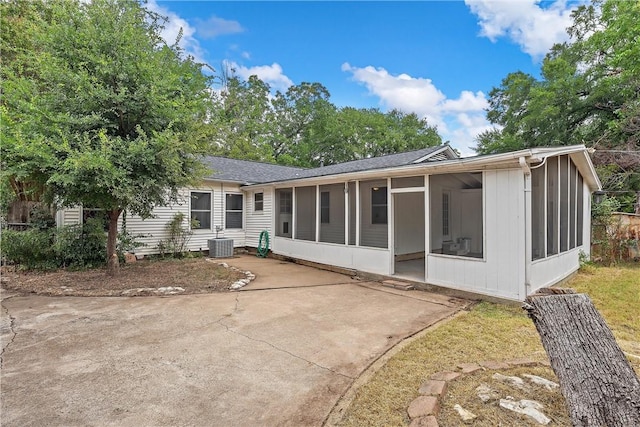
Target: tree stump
(597, 381)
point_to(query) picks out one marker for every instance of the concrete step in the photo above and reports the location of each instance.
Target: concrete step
(396, 284)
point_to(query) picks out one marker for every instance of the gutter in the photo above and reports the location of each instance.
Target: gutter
(527, 225)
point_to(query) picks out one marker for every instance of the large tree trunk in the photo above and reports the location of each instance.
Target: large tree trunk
(113, 266)
(598, 383)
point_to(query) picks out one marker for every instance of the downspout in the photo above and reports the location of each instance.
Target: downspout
(527, 225)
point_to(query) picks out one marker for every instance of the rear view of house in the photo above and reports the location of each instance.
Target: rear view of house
(500, 225)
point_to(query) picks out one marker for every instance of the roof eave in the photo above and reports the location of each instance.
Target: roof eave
(468, 164)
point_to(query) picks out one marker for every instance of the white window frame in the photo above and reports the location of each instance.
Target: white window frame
(210, 210)
(255, 202)
(234, 210)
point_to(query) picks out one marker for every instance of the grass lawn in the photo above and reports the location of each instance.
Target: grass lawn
(492, 332)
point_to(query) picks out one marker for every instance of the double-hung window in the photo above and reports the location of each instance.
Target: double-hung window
(200, 211)
(258, 202)
(233, 211)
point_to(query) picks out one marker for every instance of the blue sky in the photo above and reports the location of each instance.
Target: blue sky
(439, 59)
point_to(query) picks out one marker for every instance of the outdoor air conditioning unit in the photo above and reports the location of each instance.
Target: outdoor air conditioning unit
(220, 248)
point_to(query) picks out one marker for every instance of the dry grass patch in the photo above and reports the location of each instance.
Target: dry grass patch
(615, 291)
(462, 391)
(489, 332)
(193, 275)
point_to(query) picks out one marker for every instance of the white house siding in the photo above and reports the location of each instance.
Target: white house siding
(256, 222)
(69, 216)
(200, 238)
(372, 260)
(501, 271)
(154, 230)
(548, 271)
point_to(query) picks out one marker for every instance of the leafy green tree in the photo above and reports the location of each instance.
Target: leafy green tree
(99, 110)
(351, 134)
(589, 94)
(243, 122)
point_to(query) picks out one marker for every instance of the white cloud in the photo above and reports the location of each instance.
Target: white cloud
(534, 28)
(458, 120)
(271, 74)
(215, 26)
(172, 28)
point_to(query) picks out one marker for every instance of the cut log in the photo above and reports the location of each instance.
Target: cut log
(596, 380)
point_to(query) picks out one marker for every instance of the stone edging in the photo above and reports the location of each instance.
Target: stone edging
(238, 284)
(424, 409)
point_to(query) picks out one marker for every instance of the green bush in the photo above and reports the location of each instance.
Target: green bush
(177, 243)
(31, 249)
(81, 246)
(41, 217)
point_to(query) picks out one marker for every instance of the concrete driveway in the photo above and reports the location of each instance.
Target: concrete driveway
(278, 353)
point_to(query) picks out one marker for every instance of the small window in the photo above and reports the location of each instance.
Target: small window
(200, 211)
(233, 211)
(379, 205)
(324, 207)
(258, 202)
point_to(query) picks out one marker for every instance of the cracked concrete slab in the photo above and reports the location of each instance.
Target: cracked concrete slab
(263, 358)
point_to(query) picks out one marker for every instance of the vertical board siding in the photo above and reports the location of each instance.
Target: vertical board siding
(548, 271)
(501, 272)
(364, 259)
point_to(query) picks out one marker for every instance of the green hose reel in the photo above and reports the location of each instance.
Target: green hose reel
(263, 245)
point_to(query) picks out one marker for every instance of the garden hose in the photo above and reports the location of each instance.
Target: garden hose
(263, 244)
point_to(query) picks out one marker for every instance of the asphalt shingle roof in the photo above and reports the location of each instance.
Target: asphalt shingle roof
(248, 172)
(382, 162)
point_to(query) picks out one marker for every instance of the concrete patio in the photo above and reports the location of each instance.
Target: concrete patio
(280, 352)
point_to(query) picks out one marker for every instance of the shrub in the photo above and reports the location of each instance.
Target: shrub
(81, 246)
(41, 217)
(176, 244)
(32, 249)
